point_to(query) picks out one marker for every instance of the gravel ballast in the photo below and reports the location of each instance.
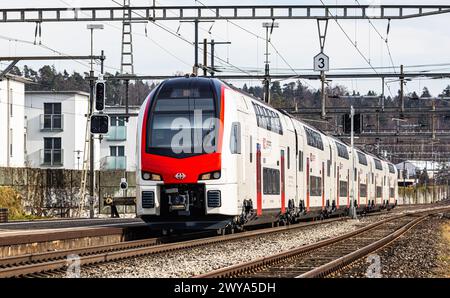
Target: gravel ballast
(419, 253)
(195, 261)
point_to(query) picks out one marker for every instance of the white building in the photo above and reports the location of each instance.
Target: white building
(118, 148)
(56, 129)
(413, 167)
(12, 121)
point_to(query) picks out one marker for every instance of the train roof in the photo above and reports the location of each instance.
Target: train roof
(259, 100)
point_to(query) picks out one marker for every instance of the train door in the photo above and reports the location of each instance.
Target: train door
(301, 174)
(307, 184)
(282, 181)
(240, 130)
(258, 180)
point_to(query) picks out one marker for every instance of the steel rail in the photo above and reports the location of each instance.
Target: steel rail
(341, 262)
(23, 265)
(258, 264)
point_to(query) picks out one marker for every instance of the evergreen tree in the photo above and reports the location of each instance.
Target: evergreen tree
(425, 93)
(446, 92)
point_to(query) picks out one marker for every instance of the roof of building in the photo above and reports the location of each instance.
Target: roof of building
(120, 110)
(18, 79)
(58, 92)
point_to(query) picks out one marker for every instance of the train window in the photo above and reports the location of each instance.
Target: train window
(363, 190)
(235, 138)
(173, 126)
(271, 181)
(391, 192)
(391, 168)
(331, 153)
(315, 186)
(379, 191)
(343, 188)
(355, 174)
(384, 180)
(255, 107)
(362, 158)
(378, 164)
(251, 149)
(267, 119)
(313, 138)
(372, 178)
(288, 157)
(328, 168)
(300, 161)
(342, 150)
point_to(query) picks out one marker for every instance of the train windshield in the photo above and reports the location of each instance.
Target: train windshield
(183, 119)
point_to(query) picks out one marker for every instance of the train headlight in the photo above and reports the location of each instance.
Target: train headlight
(209, 176)
(151, 176)
(206, 176)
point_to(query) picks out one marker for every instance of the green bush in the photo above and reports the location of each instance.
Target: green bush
(12, 200)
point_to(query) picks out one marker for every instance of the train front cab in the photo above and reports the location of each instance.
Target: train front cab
(183, 186)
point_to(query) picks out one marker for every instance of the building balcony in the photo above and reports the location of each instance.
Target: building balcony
(52, 122)
(52, 157)
(111, 163)
(117, 133)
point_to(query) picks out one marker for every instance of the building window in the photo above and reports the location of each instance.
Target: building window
(271, 181)
(117, 150)
(52, 118)
(11, 142)
(11, 102)
(315, 186)
(25, 143)
(52, 151)
(117, 121)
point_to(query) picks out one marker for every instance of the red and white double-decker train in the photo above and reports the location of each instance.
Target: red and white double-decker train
(210, 156)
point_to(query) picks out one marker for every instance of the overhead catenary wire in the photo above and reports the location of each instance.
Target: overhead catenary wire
(259, 37)
(45, 47)
(354, 44)
(165, 28)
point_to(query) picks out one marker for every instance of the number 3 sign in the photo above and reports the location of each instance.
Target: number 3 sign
(321, 62)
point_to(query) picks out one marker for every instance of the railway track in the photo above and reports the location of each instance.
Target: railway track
(327, 256)
(48, 263)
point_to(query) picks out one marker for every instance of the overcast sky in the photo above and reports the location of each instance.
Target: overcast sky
(412, 42)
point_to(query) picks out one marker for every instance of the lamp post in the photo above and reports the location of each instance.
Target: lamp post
(92, 27)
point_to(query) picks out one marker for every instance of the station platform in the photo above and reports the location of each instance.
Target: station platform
(19, 238)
